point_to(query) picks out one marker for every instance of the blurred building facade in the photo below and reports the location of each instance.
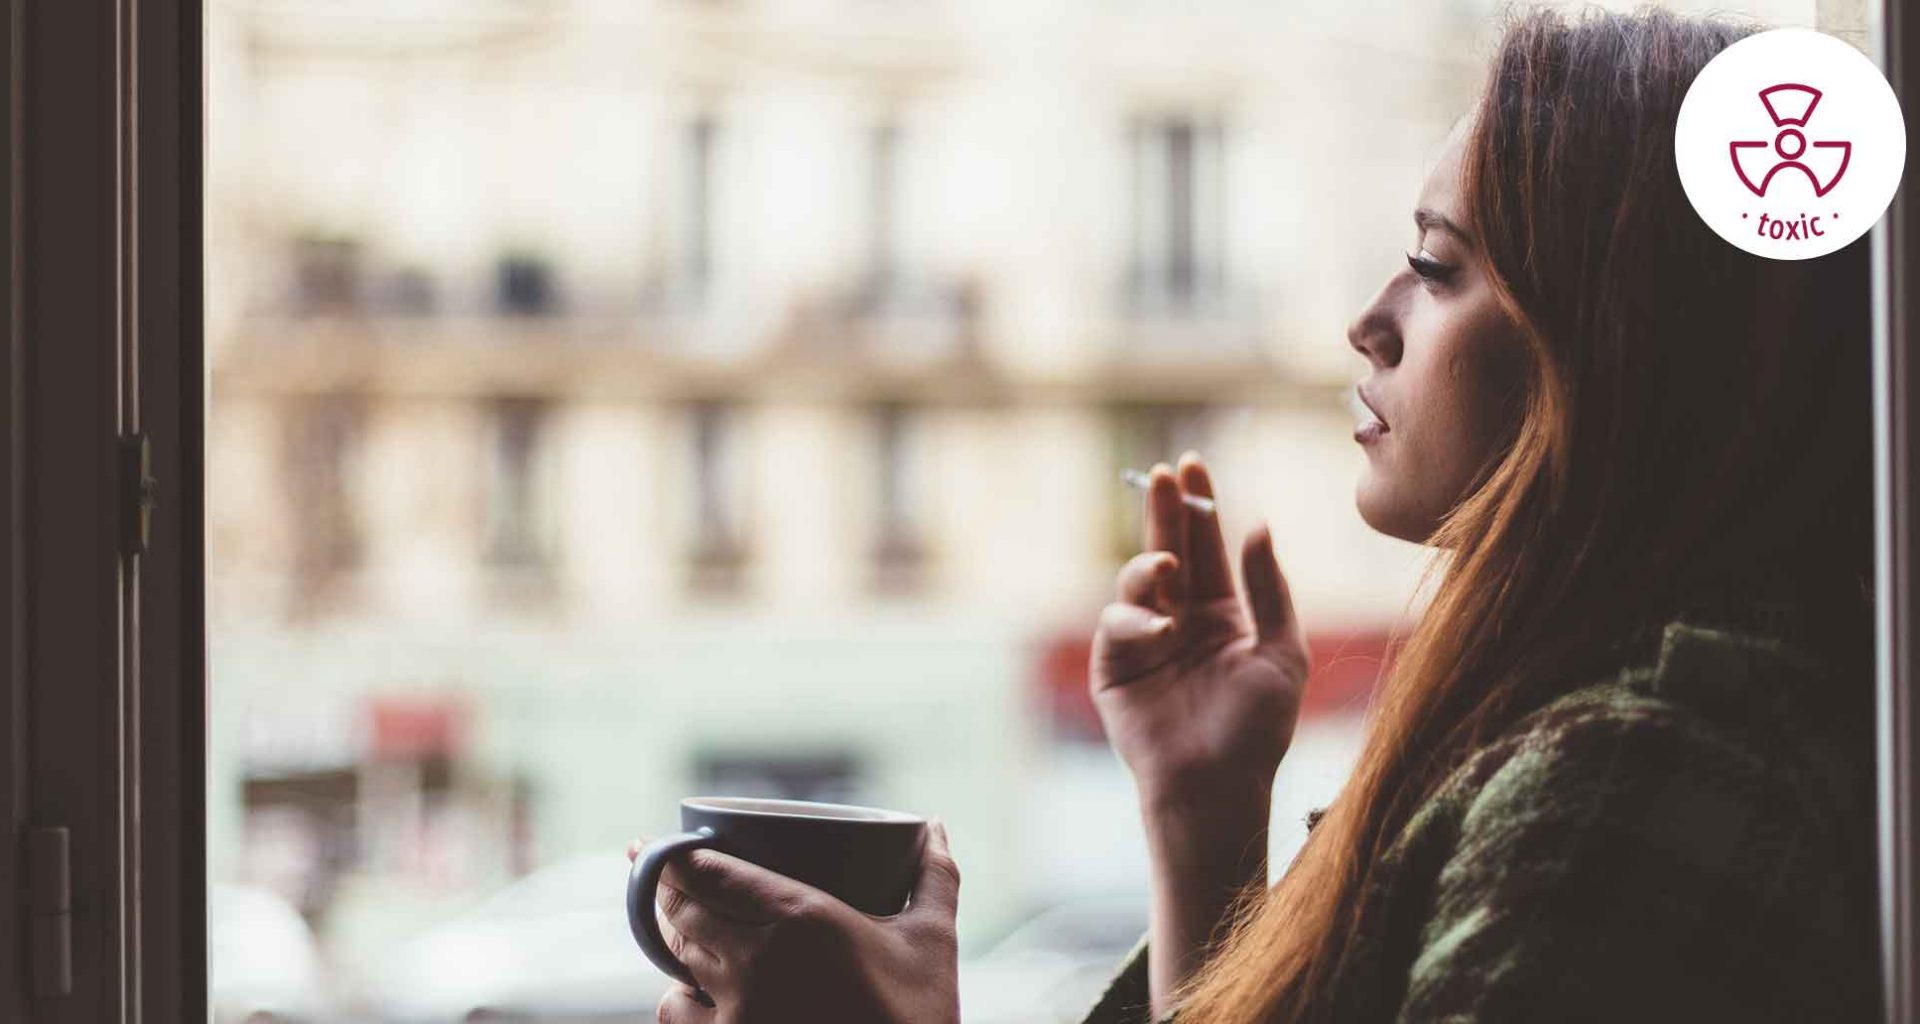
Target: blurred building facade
(618, 399)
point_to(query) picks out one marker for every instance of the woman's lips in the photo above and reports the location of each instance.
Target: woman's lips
(1371, 427)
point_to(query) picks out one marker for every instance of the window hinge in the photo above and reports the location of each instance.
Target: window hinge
(50, 911)
(139, 493)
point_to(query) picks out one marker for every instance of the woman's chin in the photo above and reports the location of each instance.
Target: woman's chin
(1367, 500)
(1374, 500)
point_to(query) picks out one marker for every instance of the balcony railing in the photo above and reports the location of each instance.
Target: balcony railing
(1195, 321)
(891, 320)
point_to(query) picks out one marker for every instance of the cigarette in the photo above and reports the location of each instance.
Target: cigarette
(1136, 479)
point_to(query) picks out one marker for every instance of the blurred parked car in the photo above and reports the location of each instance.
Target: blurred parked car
(1051, 968)
(553, 946)
(265, 965)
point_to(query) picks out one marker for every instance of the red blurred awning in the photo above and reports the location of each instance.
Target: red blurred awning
(413, 727)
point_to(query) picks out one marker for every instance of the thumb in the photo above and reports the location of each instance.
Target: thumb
(937, 890)
(1267, 595)
(1130, 641)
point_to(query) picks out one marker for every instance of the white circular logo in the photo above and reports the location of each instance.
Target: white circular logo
(1790, 144)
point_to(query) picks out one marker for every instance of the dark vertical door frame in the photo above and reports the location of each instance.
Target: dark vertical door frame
(71, 346)
(171, 699)
(13, 999)
(1897, 424)
(103, 646)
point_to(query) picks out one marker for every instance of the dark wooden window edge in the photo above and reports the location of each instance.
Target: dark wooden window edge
(169, 105)
(1897, 325)
(103, 774)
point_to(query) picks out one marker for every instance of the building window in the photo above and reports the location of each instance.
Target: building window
(327, 271)
(695, 244)
(322, 446)
(524, 284)
(519, 526)
(883, 209)
(1178, 216)
(718, 554)
(896, 306)
(899, 551)
(1143, 435)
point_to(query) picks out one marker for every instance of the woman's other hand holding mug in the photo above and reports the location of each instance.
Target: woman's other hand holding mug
(770, 949)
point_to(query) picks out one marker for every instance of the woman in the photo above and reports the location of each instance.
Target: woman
(1620, 770)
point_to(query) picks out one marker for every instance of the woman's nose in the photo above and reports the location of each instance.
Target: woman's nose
(1373, 334)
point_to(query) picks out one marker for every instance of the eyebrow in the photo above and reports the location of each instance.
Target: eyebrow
(1430, 218)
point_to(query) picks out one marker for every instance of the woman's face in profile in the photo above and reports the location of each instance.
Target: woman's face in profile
(1445, 365)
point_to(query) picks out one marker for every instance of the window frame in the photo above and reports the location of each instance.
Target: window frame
(168, 110)
(105, 652)
(1894, 35)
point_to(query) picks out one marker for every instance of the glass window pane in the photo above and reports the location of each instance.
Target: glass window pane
(620, 401)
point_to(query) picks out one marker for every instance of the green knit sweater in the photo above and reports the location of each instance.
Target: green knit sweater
(1686, 840)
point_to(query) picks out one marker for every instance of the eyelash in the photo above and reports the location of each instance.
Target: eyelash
(1431, 270)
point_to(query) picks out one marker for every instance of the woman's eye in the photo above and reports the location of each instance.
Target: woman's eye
(1428, 267)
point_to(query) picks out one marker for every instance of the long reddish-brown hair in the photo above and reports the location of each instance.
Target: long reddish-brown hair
(1694, 431)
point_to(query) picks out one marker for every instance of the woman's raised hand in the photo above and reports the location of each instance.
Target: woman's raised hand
(1198, 694)
(1199, 697)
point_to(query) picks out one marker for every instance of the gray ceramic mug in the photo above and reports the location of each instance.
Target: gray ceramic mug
(864, 856)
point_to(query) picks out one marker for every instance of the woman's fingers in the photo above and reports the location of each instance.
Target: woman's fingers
(937, 890)
(1167, 525)
(1268, 598)
(683, 918)
(699, 936)
(1209, 574)
(1146, 578)
(681, 1005)
(1130, 642)
(738, 890)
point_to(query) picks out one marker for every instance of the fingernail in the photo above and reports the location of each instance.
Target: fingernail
(1161, 624)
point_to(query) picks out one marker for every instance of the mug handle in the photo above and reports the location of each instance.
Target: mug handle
(643, 886)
